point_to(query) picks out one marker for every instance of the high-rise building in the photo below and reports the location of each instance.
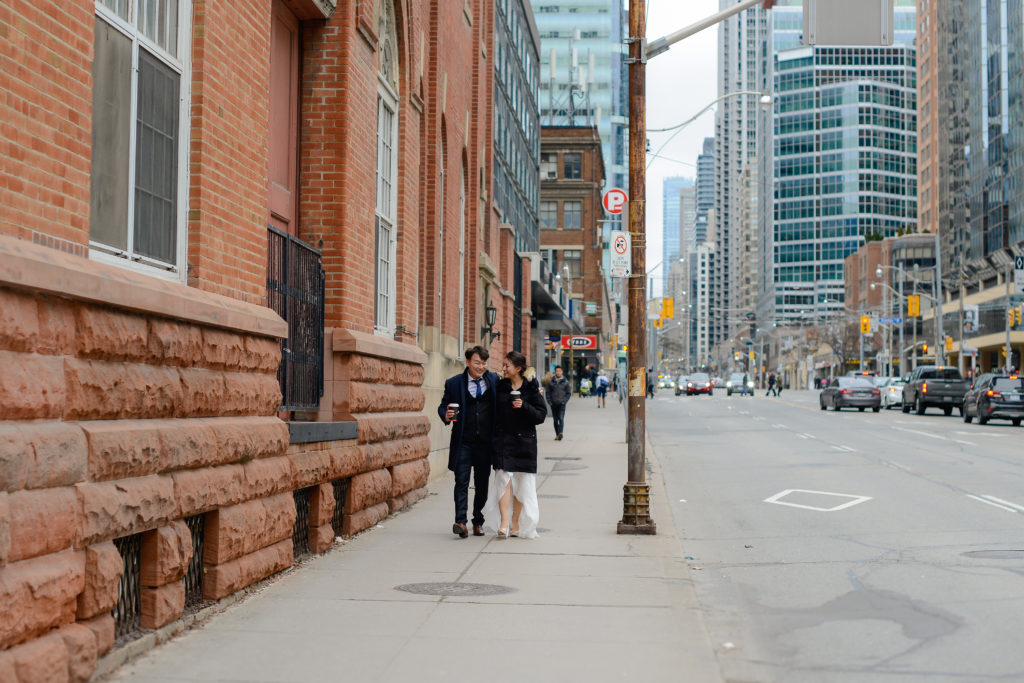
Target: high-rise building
(671, 218)
(687, 220)
(702, 266)
(742, 66)
(583, 74)
(706, 180)
(842, 161)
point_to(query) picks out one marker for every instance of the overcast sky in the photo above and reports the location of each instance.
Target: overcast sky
(680, 83)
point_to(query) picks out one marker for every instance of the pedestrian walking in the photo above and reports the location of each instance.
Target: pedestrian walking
(520, 410)
(771, 385)
(601, 384)
(559, 391)
(650, 383)
(470, 402)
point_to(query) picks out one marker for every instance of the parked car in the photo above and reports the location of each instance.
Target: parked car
(850, 392)
(699, 383)
(892, 392)
(681, 381)
(735, 383)
(934, 386)
(995, 395)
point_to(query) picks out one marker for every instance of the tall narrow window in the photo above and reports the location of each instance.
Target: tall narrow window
(572, 215)
(387, 171)
(138, 132)
(549, 214)
(572, 165)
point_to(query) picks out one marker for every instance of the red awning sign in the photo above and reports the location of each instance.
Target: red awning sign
(579, 342)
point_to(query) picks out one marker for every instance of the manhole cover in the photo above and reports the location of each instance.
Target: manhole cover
(454, 589)
(551, 495)
(559, 466)
(562, 457)
(996, 554)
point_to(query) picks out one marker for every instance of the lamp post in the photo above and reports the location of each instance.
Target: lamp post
(490, 315)
(878, 274)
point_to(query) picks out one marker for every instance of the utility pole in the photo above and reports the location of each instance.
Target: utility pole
(1009, 304)
(940, 335)
(636, 493)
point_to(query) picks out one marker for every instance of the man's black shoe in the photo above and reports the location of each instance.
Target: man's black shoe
(461, 530)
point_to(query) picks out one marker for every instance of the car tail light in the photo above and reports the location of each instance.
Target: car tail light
(924, 388)
(990, 392)
(845, 392)
(876, 392)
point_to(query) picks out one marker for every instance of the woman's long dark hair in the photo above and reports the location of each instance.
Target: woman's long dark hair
(517, 359)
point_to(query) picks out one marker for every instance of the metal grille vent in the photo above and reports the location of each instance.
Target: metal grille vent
(126, 611)
(340, 491)
(194, 574)
(300, 534)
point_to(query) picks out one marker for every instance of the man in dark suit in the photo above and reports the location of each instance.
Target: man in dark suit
(472, 435)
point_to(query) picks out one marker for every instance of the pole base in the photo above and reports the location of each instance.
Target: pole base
(636, 510)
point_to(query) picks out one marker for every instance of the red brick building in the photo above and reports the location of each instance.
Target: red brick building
(572, 179)
(208, 216)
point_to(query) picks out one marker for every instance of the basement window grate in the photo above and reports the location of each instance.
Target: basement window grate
(340, 491)
(127, 610)
(194, 574)
(300, 534)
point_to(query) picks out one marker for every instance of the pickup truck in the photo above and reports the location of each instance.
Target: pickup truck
(930, 386)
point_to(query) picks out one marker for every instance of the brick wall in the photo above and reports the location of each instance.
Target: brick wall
(45, 122)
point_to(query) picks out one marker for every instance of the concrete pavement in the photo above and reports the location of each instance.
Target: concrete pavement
(583, 603)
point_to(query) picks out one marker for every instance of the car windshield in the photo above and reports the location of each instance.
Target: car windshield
(856, 382)
(699, 377)
(941, 373)
(1006, 385)
(736, 377)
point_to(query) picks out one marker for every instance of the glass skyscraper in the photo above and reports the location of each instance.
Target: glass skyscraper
(589, 88)
(672, 218)
(842, 161)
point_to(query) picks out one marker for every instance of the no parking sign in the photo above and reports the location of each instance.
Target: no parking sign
(620, 260)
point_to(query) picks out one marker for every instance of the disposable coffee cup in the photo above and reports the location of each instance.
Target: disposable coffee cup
(514, 395)
(454, 407)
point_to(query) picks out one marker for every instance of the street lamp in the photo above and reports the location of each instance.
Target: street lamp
(888, 288)
(490, 315)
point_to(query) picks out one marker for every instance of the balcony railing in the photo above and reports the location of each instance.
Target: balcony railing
(295, 291)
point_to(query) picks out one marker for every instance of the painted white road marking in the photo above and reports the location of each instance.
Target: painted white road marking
(992, 503)
(920, 433)
(966, 443)
(1006, 502)
(844, 449)
(804, 436)
(854, 500)
(778, 426)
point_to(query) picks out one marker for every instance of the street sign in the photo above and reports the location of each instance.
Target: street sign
(1018, 273)
(614, 199)
(841, 22)
(620, 262)
(891, 321)
(579, 342)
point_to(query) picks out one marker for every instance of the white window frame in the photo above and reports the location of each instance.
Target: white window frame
(384, 324)
(182, 64)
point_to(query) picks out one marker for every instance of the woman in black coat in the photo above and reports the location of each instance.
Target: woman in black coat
(515, 450)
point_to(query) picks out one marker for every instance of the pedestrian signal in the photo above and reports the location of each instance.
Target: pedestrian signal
(751, 355)
(658, 322)
(913, 306)
(949, 344)
(865, 324)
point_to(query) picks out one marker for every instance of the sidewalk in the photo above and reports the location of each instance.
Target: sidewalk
(584, 602)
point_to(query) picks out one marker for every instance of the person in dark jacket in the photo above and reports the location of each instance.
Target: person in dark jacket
(472, 436)
(559, 392)
(520, 409)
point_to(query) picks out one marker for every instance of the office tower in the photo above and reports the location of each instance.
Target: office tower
(706, 180)
(842, 161)
(671, 216)
(688, 220)
(584, 39)
(742, 66)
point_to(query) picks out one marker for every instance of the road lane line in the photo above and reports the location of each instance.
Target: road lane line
(989, 502)
(920, 433)
(1006, 502)
(778, 426)
(966, 443)
(844, 449)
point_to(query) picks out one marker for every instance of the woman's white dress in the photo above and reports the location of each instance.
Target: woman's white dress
(524, 488)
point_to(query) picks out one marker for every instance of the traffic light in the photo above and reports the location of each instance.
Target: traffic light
(949, 344)
(751, 356)
(913, 306)
(1014, 317)
(924, 348)
(668, 307)
(865, 324)
(658, 322)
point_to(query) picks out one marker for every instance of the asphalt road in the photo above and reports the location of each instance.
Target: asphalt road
(848, 546)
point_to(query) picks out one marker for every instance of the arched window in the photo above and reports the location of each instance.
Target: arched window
(387, 170)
